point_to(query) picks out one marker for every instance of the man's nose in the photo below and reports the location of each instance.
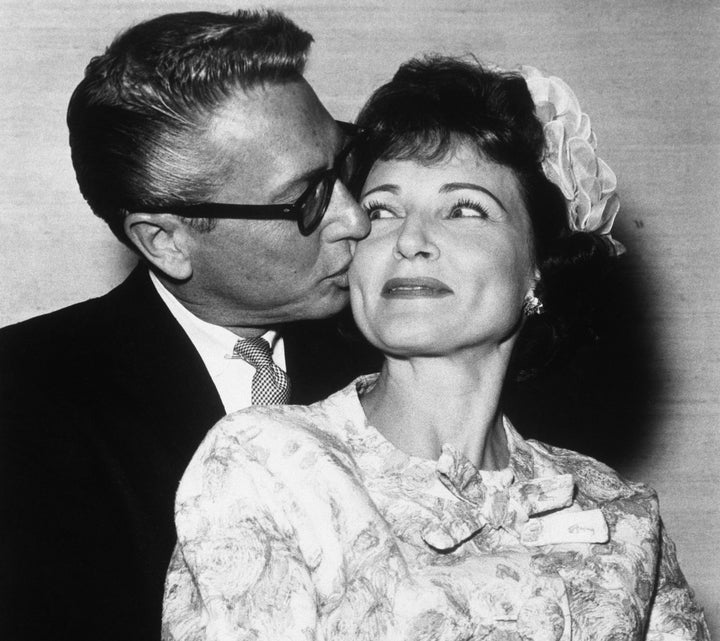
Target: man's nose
(414, 240)
(345, 219)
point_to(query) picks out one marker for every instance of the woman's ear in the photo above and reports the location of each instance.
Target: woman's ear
(534, 281)
(537, 277)
(162, 239)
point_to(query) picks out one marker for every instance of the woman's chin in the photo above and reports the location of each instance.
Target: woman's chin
(405, 340)
(406, 343)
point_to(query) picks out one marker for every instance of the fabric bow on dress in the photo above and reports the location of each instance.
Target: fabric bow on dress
(539, 511)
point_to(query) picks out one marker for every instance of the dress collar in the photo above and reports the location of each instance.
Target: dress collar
(521, 461)
(507, 501)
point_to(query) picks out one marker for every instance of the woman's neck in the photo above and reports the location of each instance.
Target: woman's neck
(419, 404)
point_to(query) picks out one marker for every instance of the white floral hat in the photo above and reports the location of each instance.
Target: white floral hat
(571, 161)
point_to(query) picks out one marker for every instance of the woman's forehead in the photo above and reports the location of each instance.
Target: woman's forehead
(463, 159)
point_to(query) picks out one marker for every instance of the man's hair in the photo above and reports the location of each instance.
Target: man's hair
(138, 118)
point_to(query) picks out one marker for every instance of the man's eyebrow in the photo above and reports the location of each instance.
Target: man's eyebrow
(293, 188)
(393, 189)
(450, 187)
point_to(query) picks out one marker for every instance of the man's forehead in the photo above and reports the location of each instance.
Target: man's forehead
(289, 112)
(274, 133)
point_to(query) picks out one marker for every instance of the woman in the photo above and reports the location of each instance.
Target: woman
(406, 506)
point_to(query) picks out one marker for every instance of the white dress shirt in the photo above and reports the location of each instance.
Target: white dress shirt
(232, 377)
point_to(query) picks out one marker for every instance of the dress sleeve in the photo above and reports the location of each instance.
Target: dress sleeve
(237, 572)
(675, 616)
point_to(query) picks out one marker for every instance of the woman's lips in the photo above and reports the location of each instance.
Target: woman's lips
(415, 288)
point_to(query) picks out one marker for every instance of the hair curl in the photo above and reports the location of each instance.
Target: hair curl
(137, 119)
(432, 104)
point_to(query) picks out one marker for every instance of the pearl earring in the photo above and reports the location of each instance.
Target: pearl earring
(532, 305)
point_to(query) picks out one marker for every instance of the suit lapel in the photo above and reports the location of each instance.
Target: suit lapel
(163, 362)
(160, 370)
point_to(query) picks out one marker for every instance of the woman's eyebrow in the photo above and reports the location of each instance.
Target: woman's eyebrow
(393, 189)
(450, 187)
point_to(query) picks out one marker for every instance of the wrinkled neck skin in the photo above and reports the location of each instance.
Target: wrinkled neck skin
(421, 403)
(210, 311)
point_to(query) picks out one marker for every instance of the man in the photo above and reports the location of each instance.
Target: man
(196, 138)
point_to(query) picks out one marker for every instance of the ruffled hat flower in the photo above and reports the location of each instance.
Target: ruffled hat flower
(571, 160)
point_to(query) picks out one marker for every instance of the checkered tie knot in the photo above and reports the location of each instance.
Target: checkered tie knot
(270, 385)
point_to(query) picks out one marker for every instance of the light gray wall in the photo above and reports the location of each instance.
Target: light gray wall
(645, 71)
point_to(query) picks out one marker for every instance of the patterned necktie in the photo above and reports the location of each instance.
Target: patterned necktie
(270, 385)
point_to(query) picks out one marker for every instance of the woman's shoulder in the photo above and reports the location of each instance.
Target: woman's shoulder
(630, 511)
(596, 482)
(282, 441)
(278, 470)
(327, 420)
(271, 422)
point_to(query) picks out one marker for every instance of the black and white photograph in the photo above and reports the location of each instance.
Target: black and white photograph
(359, 321)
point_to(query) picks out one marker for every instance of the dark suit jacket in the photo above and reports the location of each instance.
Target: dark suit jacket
(102, 405)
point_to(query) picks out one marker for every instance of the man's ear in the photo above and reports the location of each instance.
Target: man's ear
(163, 240)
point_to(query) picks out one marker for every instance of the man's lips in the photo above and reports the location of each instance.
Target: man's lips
(341, 276)
(422, 287)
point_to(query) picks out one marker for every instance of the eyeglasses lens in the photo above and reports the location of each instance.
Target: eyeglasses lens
(346, 162)
(317, 202)
(315, 205)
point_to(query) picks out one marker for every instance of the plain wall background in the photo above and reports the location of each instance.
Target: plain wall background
(646, 72)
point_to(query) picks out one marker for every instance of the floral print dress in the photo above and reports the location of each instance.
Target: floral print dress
(305, 523)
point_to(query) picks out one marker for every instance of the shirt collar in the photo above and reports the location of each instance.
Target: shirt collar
(213, 342)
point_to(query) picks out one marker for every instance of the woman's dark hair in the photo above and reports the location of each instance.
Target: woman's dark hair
(434, 103)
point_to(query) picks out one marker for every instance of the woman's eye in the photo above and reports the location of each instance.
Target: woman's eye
(376, 211)
(468, 209)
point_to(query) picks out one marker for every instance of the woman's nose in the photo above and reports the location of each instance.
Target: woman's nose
(415, 240)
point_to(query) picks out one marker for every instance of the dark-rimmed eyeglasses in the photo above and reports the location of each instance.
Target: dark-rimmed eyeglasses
(308, 210)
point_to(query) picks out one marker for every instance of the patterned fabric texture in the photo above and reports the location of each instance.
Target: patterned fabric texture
(270, 385)
(305, 523)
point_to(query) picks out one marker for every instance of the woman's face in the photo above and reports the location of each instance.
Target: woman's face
(448, 261)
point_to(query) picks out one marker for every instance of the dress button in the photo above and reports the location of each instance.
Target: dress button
(540, 619)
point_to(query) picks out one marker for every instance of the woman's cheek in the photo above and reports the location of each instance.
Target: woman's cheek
(357, 278)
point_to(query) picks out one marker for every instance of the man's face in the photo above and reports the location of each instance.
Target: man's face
(260, 272)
